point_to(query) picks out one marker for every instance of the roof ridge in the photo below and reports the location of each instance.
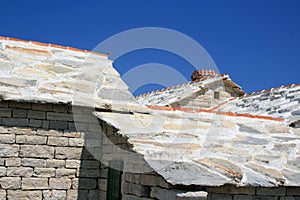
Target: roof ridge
(269, 90)
(177, 86)
(163, 89)
(52, 45)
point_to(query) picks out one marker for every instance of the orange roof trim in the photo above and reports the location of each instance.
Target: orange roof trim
(52, 45)
(191, 110)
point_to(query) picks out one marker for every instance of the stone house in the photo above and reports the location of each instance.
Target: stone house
(67, 132)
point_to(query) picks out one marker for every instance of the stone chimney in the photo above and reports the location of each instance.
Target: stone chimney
(200, 75)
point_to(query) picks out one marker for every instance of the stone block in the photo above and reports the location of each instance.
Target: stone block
(67, 153)
(90, 164)
(7, 138)
(140, 190)
(60, 183)
(58, 141)
(33, 114)
(10, 182)
(13, 162)
(5, 112)
(84, 183)
(20, 113)
(60, 108)
(35, 183)
(77, 194)
(44, 172)
(65, 172)
(36, 123)
(243, 197)
(280, 191)
(54, 194)
(59, 116)
(49, 132)
(59, 125)
(24, 105)
(149, 180)
(42, 107)
(293, 191)
(89, 173)
(33, 162)
(36, 151)
(72, 134)
(3, 104)
(73, 164)
(45, 124)
(76, 142)
(94, 194)
(2, 194)
(2, 161)
(2, 171)
(220, 197)
(19, 122)
(9, 150)
(24, 195)
(231, 190)
(19, 171)
(31, 139)
(102, 183)
(55, 163)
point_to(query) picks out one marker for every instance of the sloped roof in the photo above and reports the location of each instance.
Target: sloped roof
(282, 102)
(168, 96)
(205, 148)
(34, 71)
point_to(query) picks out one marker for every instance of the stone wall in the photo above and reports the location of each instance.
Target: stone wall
(253, 193)
(42, 156)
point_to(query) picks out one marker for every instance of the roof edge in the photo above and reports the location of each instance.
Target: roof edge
(53, 46)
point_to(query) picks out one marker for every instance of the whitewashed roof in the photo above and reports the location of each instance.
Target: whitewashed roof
(168, 96)
(33, 71)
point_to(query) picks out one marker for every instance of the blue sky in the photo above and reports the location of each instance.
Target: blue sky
(257, 42)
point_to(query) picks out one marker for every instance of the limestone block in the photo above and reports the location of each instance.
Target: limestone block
(66, 172)
(54, 194)
(19, 122)
(76, 142)
(44, 172)
(58, 141)
(2, 171)
(280, 191)
(49, 132)
(2, 194)
(7, 138)
(24, 195)
(42, 107)
(5, 112)
(35, 183)
(59, 116)
(13, 162)
(34, 114)
(37, 151)
(36, 123)
(73, 164)
(58, 125)
(84, 183)
(77, 194)
(55, 163)
(102, 183)
(60, 108)
(60, 183)
(19, 171)
(19, 113)
(67, 153)
(28, 139)
(33, 162)
(10, 182)
(8, 150)
(14, 104)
